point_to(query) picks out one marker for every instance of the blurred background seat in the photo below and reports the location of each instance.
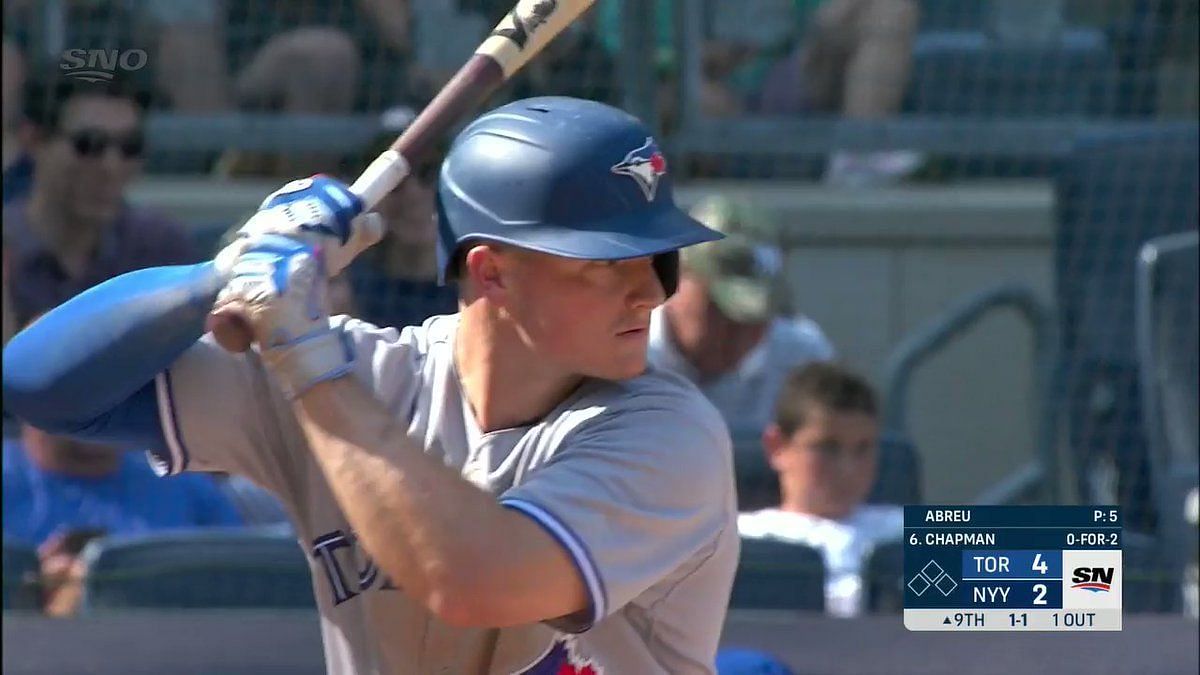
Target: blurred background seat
(883, 578)
(971, 73)
(773, 574)
(203, 569)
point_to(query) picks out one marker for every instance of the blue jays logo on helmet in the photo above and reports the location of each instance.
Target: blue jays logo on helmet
(645, 165)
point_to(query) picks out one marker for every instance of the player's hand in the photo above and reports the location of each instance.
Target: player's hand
(281, 287)
(319, 211)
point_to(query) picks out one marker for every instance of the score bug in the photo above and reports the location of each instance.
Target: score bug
(1093, 539)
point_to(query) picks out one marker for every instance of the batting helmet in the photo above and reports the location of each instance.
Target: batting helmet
(564, 176)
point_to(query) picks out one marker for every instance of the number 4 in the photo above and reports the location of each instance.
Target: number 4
(1039, 565)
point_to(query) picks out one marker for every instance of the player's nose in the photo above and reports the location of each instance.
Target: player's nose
(646, 289)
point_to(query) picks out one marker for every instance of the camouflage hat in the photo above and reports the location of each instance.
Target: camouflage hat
(742, 270)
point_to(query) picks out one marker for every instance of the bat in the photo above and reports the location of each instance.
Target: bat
(519, 36)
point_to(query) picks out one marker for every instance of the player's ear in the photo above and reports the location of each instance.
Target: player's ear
(484, 268)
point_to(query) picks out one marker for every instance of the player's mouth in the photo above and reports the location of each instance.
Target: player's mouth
(639, 331)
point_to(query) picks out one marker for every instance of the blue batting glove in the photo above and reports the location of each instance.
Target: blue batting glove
(319, 211)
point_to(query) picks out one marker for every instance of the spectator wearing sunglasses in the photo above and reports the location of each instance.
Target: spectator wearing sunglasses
(75, 228)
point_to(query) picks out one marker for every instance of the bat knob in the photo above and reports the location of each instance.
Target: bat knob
(230, 330)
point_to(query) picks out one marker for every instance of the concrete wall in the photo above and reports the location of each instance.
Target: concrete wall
(871, 267)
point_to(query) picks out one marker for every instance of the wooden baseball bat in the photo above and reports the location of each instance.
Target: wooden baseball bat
(519, 36)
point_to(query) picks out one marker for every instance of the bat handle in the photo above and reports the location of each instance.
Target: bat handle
(229, 326)
(380, 177)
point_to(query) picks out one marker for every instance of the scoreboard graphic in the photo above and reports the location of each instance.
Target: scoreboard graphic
(1012, 568)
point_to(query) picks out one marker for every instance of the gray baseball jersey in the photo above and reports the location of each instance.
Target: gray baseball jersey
(746, 395)
(633, 478)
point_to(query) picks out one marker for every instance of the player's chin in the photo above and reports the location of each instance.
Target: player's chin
(624, 367)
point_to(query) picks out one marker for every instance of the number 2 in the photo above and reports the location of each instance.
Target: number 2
(1040, 589)
(1039, 565)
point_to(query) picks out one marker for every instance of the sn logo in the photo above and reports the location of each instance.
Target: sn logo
(1094, 579)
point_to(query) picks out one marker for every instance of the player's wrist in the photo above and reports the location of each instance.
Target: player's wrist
(302, 363)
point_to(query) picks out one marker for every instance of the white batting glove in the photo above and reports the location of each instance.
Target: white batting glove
(319, 211)
(281, 286)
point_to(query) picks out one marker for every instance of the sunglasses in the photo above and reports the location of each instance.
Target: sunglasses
(93, 143)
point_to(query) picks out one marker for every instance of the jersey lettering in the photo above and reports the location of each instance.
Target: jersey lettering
(323, 550)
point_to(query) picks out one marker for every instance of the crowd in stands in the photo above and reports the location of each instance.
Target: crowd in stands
(72, 148)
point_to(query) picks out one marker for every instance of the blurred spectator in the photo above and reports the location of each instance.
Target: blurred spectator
(855, 60)
(395, 282)
(62, 572)
(75, 228)
(312, 58)
(18, 165)
(575, 63)
(721, 329)
(206, 56)
(824, 447)
(54, 484)
(717, 98)
(788, 57)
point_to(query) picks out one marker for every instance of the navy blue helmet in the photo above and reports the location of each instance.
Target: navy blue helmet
(564, 176)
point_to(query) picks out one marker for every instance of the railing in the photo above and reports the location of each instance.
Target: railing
(1041, 475)
(1173, 445)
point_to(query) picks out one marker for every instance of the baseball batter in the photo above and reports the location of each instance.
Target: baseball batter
(504, 490)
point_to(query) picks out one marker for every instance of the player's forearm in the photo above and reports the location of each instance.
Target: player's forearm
(88, 355)
(425, 526)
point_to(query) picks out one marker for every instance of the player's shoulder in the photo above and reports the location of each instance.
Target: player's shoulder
(433, 332)
(659, 393)
(397, 362)
(656, 413)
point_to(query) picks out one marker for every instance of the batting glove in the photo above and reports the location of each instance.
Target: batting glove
(281, 287)
(319, 211)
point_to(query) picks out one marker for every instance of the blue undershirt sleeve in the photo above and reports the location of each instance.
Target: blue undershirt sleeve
(87, 367)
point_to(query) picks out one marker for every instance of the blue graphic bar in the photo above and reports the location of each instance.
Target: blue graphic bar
(1012, 516)
(1026, 565)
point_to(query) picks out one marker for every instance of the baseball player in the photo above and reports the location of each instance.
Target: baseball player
(507, 489)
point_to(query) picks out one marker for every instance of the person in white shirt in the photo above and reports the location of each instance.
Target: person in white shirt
(823, 445)
(722, 329)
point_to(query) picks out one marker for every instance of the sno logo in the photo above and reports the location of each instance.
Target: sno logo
(101, 65)
(1094, 579)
